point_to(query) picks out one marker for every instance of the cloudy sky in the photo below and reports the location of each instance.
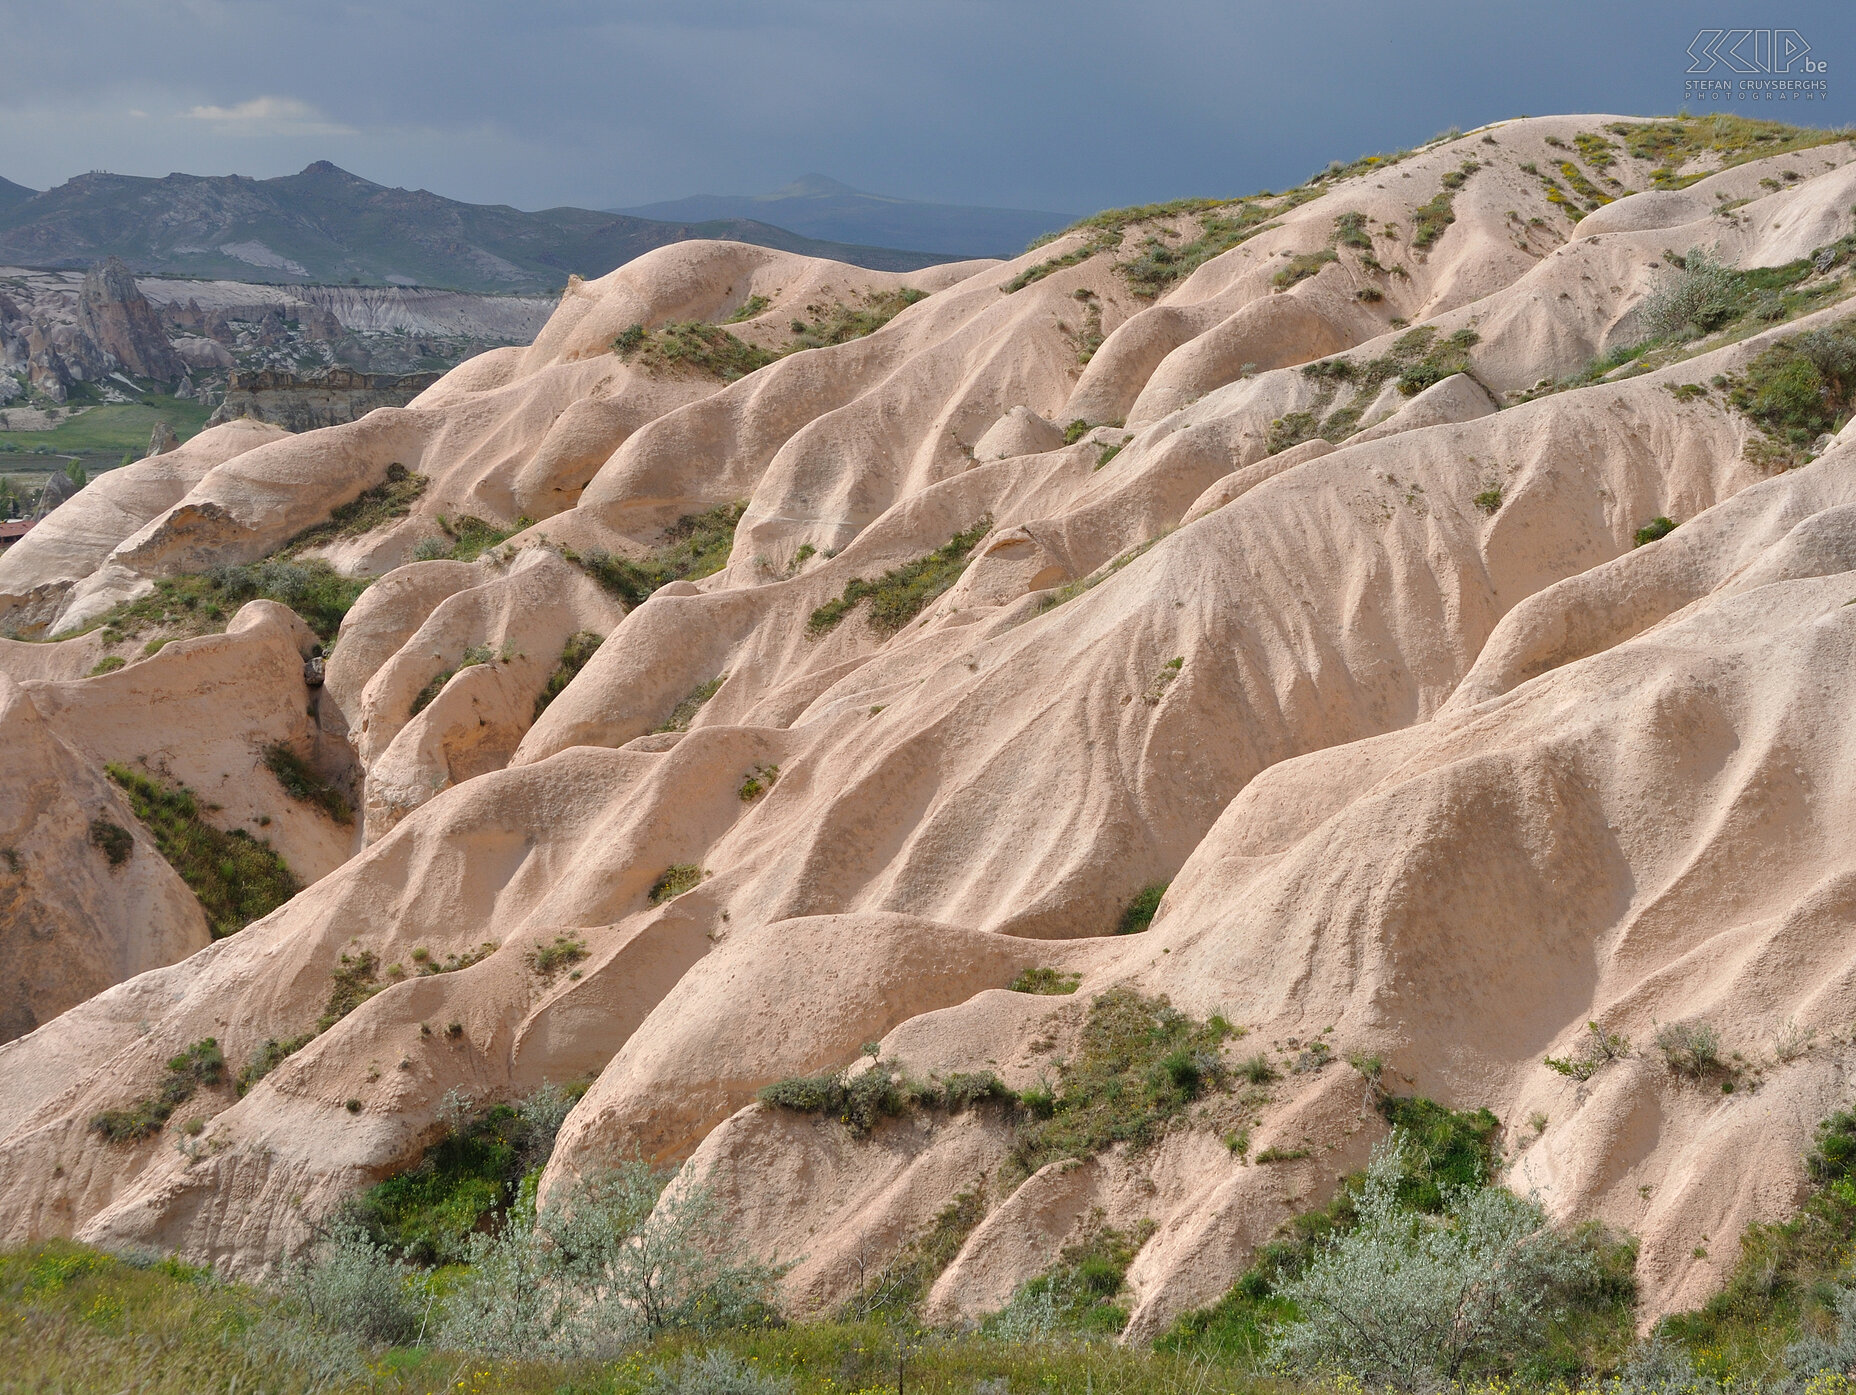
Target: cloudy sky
(1070, 105)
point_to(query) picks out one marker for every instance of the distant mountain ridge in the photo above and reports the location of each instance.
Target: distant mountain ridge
(327, 225)
(819, 206)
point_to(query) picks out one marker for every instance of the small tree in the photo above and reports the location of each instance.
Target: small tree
(1411, 1300)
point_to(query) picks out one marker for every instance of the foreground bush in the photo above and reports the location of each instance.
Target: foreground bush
(604, 1269)
(1413, 1301)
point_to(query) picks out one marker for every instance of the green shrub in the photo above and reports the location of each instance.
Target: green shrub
(1350, 231)
(1291, 429)
(563, 952)
(1696, 295)
(761, 779)
(860, 1101)
(109, 663)
(1657, 528)
(1075, 431)
(901, 593)
(1078, 1293)
(373, 508)
(1490, 499)
(235, 877)
(1599, 1050)
(115, 841)
(695, 546)
(302, 783)
(1429, 220)
(1690, 1048)
(579, 649)
(466, 538)
(1404, 1301)
(1257, 1069)
(612, 1264)
(1046, 981)
(472, 1175)
(674, 881)
(355, 980)
(200, 1064)
(1140, 912)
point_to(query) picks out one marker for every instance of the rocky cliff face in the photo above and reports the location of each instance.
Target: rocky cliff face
(1286, 557)
(329, 398)
(123, 325)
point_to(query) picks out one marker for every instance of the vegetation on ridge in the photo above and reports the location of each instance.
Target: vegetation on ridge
(695, 546)
(901, 593)
(235, 877)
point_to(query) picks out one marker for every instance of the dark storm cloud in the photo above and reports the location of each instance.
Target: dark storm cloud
(1071, 106)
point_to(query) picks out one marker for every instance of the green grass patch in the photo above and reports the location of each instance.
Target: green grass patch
(1071, 590)
(749, 308)
(1139, 1064)
(695, 546)
(304, 784)
(111, 429)
(901, 593)
(1080, 1291)
(203, 603)
(579, 649)
(562, 952)
(465, 539)
(1800, 388)
(1304, 266)
(691, 346)
(896, 1293)
(200, 1064)
(1671, 144)
(373, 508)
(236, 878)
(1046, 981)
(77, 1319)
(1787, 1277)
(694, 346)
(839, 323)
(1075, 257)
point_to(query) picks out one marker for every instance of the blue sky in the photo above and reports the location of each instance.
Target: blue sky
(1067, 106)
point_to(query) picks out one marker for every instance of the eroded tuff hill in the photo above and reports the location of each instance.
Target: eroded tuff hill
(1283, 551)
